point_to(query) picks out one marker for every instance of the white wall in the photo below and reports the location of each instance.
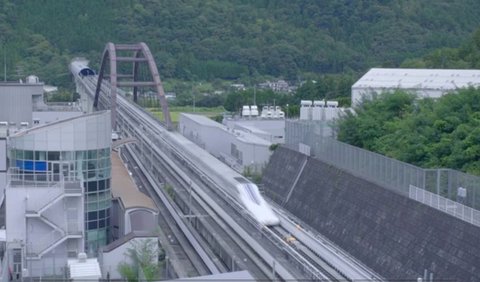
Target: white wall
(358, 94)
(275, 128)
(254, 155)
(16, 221)
(3, 166)
(3, 183)
(3, 155)
(218, 140)
(140, 220)
(35, 231)
(16, 101)
(52, 263)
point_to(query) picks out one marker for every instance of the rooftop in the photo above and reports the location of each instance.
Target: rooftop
(52, 124)
(441, 79)
(203, 120)
(124, 188)
(240, 135)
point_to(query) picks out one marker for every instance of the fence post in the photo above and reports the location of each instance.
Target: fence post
(438, 182)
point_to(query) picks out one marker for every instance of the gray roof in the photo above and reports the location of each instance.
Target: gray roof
(241, 136)
(59, 122)
(124, 187)
(203, 120)
(441, 79)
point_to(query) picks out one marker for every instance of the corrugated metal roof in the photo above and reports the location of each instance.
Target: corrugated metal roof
(446, 79)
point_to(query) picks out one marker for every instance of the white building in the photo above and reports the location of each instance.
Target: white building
(58, 193)
(237, 148)
(271, 130)
(431, 83)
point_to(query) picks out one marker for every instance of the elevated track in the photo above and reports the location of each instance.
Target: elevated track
(207, 215)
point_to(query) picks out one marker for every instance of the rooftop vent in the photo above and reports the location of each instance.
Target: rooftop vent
(82, 257)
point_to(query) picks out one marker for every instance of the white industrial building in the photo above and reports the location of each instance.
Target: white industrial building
(271, 130)
(431, 83)
(237, 148)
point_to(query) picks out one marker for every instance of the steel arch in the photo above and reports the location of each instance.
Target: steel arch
(141, 54)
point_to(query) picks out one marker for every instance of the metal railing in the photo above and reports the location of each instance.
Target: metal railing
(387, 172)
(70, 182)
(446, 205)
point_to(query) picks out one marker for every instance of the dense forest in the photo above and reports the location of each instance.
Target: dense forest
(429, 133)
(234, 39)
(425, 132)
(201, 46)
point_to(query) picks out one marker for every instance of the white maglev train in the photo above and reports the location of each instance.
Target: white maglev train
(234, 184)
(238, 187)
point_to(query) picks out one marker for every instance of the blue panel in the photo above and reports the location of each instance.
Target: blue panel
(19, 164)
(31, 165)
(41, 166)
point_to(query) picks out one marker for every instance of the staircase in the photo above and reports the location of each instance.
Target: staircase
(38, 247)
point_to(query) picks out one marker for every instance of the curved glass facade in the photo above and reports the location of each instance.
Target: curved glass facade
(92, 167)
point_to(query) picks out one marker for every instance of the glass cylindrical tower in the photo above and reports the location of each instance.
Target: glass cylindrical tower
(76, 149)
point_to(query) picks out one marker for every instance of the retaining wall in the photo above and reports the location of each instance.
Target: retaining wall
(395, 236)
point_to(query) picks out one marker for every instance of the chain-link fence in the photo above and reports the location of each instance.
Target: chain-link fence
(387, 172)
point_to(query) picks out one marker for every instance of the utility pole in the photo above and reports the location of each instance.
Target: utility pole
(4, 64)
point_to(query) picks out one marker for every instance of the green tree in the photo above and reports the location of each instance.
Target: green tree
(143, 255)
(428, 133)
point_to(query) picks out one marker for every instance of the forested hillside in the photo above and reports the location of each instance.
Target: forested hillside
(233, 39)
(428, 133)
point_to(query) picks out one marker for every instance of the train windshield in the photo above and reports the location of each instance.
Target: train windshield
(250, 189)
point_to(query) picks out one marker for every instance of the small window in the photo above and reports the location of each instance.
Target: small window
(92, 225)
(28, 155)
(101, 223)
(92, 216)
(92, 186)
(53, 156)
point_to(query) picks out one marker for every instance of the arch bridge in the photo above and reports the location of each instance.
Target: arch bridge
(136, 54)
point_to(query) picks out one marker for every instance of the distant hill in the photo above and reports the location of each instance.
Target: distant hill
(231, 39)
